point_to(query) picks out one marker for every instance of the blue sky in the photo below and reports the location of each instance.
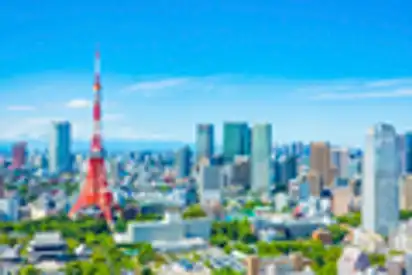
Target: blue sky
(317, 70)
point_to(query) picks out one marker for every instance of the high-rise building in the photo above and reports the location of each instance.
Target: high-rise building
(408, 263)
(210, 184)
(205, 141)
(408, 152)
(261, 162)
(2, 187)
(340, 160)
(315, 184)
(237, 173)
(183, 158)
(320, 162)
(296, 148)
(19, 154)
(401, 147)
(287, 169)
(60, 159)
(236, 140)
(406, 192)
(380, 192)
(253, 264)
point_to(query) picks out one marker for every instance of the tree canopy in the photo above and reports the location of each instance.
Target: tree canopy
(194, 211)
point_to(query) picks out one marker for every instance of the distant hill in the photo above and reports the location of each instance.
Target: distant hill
(110, 145)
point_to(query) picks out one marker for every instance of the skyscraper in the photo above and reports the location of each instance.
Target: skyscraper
(205, 140)
(19, 154)
(320, 162)
(210, 183)
(60, 148)
(2, 187)
(261, 157)
(287, 169)
(183, 158)
(236, 140)
(340, 160)
(408, 152)
(380, 197)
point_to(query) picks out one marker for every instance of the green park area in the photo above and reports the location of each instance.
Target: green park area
(109, 258)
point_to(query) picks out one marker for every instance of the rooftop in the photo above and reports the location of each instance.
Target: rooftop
(47, 238)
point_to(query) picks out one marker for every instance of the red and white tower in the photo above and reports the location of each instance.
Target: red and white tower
(95, 189)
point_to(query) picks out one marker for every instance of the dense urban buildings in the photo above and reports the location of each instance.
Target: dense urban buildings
(281, 193)
(249, 207)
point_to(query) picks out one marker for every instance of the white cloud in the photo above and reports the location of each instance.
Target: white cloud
(21, 108)
(156, 85)
(78, 104)
(340, 89)
(130, 133)
(112, 117)
(389, 83)
(74, 92)
(352, 90)
(35, 128)
(39, 129)
(370, 95)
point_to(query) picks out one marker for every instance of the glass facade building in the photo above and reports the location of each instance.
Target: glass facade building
(205, 142)
(261, 163)
(236, 140)
(60, 158)
(380, 195)
(408, 152)
(183, 159)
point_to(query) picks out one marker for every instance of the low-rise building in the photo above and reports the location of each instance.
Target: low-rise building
(401, 238)
(9, 209)
(172, 229)
(352, 261)
(322, 235)
(47, 246)
(368, 241)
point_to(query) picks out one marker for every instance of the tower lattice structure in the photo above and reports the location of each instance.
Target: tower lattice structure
(95, 190)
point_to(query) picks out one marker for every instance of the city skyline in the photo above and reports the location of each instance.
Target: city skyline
(159, 82)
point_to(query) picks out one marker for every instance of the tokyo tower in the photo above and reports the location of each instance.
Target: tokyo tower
(95, 190)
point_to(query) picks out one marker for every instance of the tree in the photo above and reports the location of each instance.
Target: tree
(29, 270)
(376, 259)
(337, 232)
(219, 240)
(352, 219)
(405, 215)
(73, 268)
(146, 254)
(194, 211)
(147, 271)
(72, 244)
(120, 225)
(328, 269)
(225, 271)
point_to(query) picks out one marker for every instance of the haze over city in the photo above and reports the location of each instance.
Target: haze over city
(313, 70)
(213, 137)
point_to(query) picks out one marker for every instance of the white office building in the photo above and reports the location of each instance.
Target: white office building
(380, 197)
(210, 184)
(171, 234)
